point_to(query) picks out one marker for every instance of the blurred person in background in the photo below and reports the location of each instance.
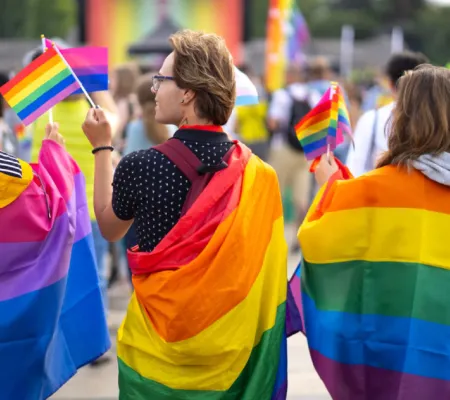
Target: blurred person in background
(288, 106)
(123, 86)
(70, 113)
(8, 139)
(370, 132)
(251, 121)
(320, 74)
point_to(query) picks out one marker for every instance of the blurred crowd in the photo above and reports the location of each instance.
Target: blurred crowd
(267, 128)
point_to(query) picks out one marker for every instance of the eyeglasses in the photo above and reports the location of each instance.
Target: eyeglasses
(158, 79)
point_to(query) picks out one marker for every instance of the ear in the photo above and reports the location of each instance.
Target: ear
(188, 97)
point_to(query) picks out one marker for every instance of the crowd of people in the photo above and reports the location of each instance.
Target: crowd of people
(140, 191)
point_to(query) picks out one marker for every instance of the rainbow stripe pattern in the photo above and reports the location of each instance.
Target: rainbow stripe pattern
(39, 86)
(51, 312)
(323, 128)
(374, 283)
(207, 318)
(89, 64)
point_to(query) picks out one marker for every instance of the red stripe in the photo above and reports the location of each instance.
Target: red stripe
(315, 111)
(28, 70)
(211, 128)
(193, 231)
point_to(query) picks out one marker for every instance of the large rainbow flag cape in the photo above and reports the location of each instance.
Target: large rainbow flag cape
(207, 318)
(89, 64)
(39, 86)
(374, 292)
(51, 312)
(323, 128)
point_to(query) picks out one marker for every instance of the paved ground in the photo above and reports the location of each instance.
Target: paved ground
(101, 383)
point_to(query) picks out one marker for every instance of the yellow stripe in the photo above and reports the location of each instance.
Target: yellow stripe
(213, 359)
(315, 128)
(38, 82)
(378, 234)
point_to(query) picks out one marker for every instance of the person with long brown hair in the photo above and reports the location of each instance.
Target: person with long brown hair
(376, 261)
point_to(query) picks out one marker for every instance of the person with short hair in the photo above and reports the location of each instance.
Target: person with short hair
(370, 138)
(209, 270)
(376, 277)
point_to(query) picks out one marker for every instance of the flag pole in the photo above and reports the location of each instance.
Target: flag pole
(44, 49)
(75, 76)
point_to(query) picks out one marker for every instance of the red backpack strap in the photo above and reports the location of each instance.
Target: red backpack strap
(185, 160)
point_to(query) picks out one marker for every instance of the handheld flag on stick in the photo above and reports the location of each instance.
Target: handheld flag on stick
(323, 128)
(89, 64)
(39, 86)
(44, 49)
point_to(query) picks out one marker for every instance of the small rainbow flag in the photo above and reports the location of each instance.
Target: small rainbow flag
(39, 86)
(323, 128)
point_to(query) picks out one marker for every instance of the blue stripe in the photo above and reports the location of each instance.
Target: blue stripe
(246, 100)
(46, 97)
(343, 119)
(400, 344)
(47, 334)
(315, 145)
(93, 83)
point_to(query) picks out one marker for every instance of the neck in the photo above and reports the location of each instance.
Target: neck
(194, 120)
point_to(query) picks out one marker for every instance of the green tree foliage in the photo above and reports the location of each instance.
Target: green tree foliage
(31, 18)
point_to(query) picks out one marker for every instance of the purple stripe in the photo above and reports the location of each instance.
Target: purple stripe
(345, 382)
(91, 70)
(281, 393)
(31, 266)
(49, 104)
(316, 153)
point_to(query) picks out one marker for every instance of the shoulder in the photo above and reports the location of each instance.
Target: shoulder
(135, 159)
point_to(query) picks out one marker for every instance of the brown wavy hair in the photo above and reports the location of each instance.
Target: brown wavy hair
(420, 122)
(204, 65)
(157, 133)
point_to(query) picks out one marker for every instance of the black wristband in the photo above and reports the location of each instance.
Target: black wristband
(97, 149)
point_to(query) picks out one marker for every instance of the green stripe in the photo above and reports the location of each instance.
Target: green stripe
(41, 90)
(314, 137)
(256, 381)
(397, 289)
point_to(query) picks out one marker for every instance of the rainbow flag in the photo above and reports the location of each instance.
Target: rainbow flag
(323, 128)
(51, 310)
(375, 286)
(207, 318)
(277, 42)
(299, 35)
(89, 64)
(39, 86)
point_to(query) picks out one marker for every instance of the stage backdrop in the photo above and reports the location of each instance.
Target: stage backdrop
(118, 23)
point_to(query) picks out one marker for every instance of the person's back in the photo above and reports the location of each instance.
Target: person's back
(376, 262)
(207, 316)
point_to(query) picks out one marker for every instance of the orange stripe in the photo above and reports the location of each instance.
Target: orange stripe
(390, 187)
(33, 76)
(233, 257)
(314, 120)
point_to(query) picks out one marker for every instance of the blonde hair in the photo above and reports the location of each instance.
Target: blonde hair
(421, 117)
(204, 65)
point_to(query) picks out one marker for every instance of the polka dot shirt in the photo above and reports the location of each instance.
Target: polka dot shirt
(149, 187)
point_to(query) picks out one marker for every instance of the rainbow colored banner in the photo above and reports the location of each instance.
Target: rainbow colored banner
(39, 86)
(51, 310)
(207, 318)
(375, 287)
